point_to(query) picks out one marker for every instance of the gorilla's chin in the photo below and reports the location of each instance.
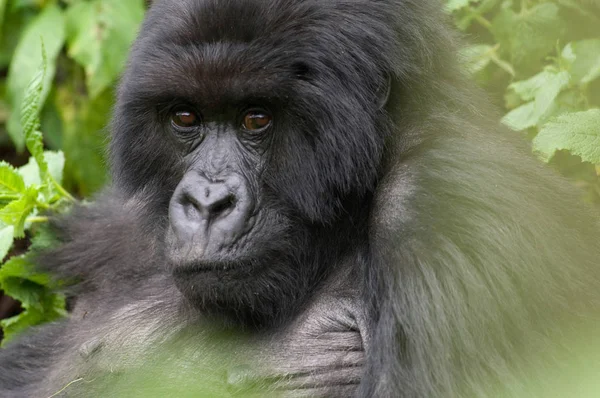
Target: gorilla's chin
(246, 291)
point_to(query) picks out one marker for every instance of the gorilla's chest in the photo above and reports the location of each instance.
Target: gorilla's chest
(320, 354)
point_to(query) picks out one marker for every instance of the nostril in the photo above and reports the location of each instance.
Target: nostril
(209, 202)
(221, 206)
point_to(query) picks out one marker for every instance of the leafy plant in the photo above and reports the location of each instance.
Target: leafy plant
(543, 58)
(86, 45)
(24, 192)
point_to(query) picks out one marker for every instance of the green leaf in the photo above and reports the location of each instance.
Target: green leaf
(579, 133)
(477, 57)
(530, 35)
(584, 59)
(52, 308)
(12, 327)
(453, 5)
(30, 119)
(31, 171)
(22, 267)
(543, 89)
(56, 164)
(20, 280)
(6, 240)
(99, 34)
(16, 212)
(49, 25)
(10, 180)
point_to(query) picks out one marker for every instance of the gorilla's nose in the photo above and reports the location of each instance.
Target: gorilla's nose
(210, 199)
(210, 213)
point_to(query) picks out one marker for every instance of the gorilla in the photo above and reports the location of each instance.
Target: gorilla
(309, 198)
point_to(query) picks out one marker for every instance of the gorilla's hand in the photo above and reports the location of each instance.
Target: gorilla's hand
(321, 354)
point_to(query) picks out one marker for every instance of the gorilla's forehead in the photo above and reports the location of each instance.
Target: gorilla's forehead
(220, 71)
(224, 49)
(274, 30)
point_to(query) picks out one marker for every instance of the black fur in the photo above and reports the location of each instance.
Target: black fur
(401, 246)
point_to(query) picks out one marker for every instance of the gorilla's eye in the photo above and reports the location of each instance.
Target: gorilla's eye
(184, 118)
(256, 120)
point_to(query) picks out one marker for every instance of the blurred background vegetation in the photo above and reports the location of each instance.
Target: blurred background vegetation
(539, 60)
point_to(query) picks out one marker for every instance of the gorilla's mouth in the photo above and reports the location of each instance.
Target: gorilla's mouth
(205, 267)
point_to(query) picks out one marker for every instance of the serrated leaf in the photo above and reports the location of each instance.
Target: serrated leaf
(578, 132)
(30, 119)
(99, 34)
(17, 211)
(49, 25)
(6, 240)
(543, 89)
(10, 180)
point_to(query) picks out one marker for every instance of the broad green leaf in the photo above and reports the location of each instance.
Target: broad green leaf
(543, 90)
(99, 33)
(6, 240)
(31, 172)
(579, 133)
(11, 181)
(16, 212)
(584, 59)
(49, 25)
(56, 164)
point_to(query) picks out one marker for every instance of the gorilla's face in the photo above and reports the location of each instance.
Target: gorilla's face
(248, 147)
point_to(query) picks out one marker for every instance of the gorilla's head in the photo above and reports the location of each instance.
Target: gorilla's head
(250, 128)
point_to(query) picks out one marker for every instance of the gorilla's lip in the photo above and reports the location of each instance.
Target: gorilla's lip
(202, 267)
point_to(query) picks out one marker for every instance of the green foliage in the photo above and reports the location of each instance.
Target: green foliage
(86, 44)
(60, 61)
(26, 58)
(24, 192)
(541, 60)
(578, 132)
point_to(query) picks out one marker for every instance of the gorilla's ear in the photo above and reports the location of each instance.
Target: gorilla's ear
(384, 90)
